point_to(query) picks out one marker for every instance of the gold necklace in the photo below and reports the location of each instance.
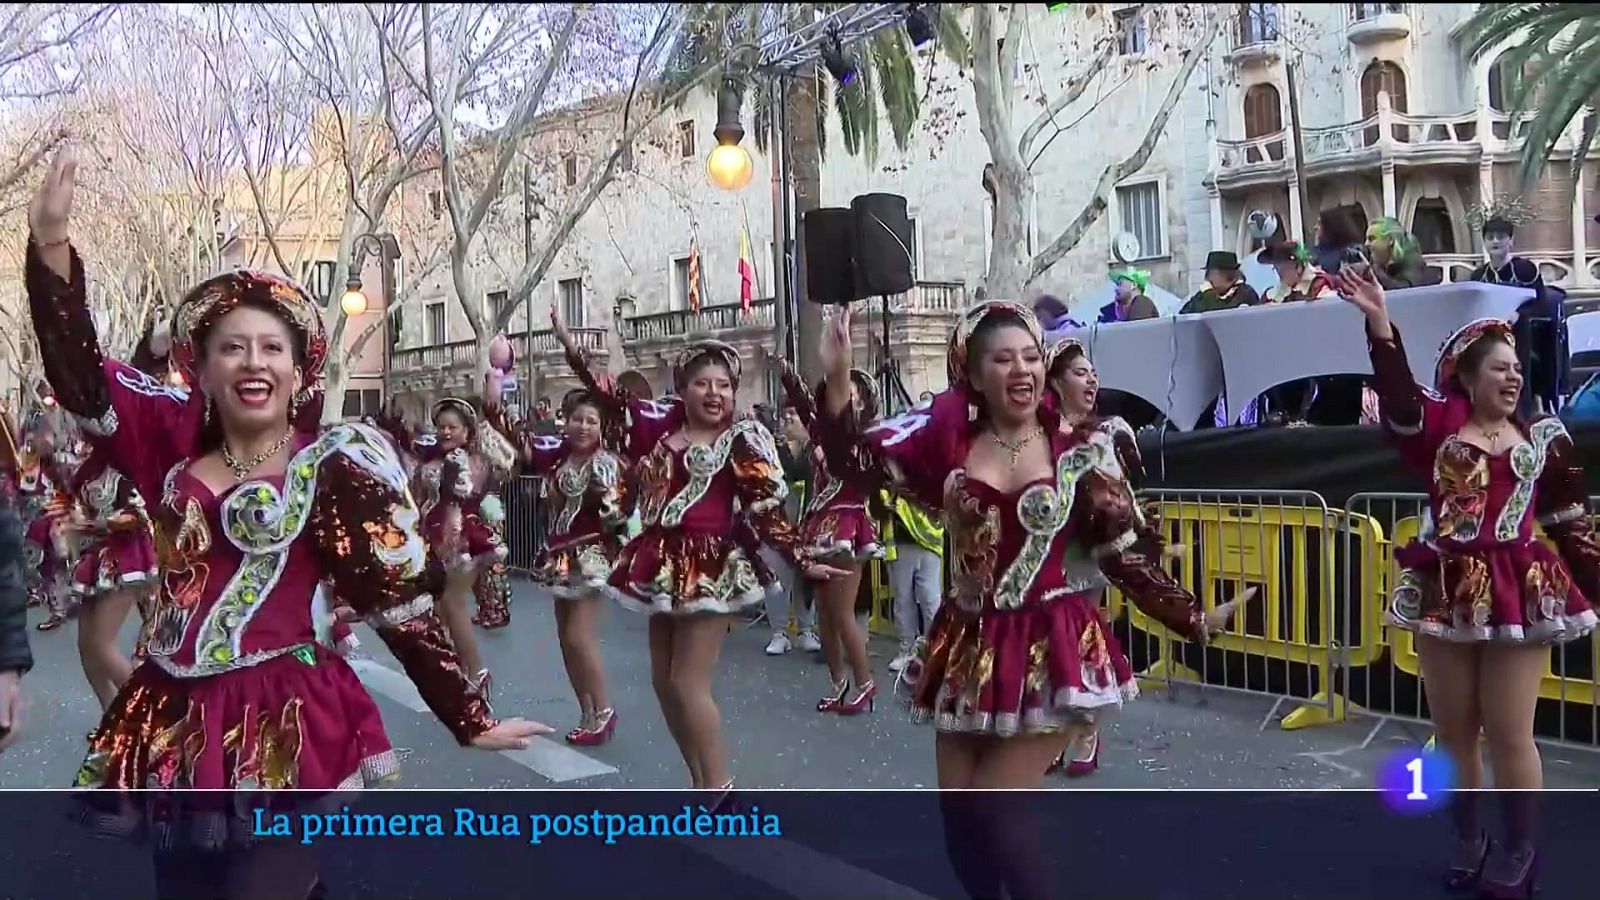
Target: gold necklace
(1494, 438)
(242, 470)
(1016, 447)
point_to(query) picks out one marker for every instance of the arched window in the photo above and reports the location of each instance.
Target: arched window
(1430, 225)
(1263, 115)
(1383, 76)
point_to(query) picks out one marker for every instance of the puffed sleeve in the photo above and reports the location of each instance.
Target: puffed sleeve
(1111, 528)
(637, 425)
(1411, 416)
(799, 397)
(1130, 464)
(142, 425)
(759, 484)
(366, 528)
(1561, 503)
(497, 452)
(912, 453)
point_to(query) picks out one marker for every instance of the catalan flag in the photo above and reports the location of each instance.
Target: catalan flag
(694, 274)
(747, 273)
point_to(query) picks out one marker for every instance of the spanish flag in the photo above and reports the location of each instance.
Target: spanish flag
(747, 273)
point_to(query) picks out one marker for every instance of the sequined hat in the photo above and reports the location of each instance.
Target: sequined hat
(723, 353)
(219, 295)
(972, 318)
(1059, 351)
(1444, 370)
(463, 408)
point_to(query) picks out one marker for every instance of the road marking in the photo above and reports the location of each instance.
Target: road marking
(800, 871)
(548, 759)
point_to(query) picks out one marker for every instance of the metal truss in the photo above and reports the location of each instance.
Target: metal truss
(791, 51)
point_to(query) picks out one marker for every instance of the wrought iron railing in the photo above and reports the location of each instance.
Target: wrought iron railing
(464, 353)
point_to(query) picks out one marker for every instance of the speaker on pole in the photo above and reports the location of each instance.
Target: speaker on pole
(830, 257)
(883, 245)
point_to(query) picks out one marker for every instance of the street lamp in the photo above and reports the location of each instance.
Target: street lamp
(354, 301)
(729, 166)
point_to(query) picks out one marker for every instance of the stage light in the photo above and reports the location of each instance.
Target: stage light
(841, 66)
(729, 166)
(918, 26)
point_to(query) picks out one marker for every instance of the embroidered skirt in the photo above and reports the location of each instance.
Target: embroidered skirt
(117, 561)
(668, 571)
(840, 533)
(1031, 670)
(575, 566)
(462, 540)
(1515, 592)
(299, 721)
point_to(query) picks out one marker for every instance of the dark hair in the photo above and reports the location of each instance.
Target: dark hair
(144, 359)
(703, 359)
(1064, 359)
(1339, 228)
(1471, 360)
(297, 341)
(455, 411)
(579, 397)
(983, 334)
(866, 389)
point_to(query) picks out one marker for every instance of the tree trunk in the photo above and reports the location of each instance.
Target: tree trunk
(1009, 178)
(805, 165)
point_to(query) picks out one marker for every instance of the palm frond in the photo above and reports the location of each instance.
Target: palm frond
(820, 88)
(951, 34)
(761, 113)
(896, 75)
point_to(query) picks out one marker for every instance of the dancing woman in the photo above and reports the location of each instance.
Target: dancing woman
(590, 515)
(1483, 595)
(689, 567)
(43, 485)
(253, 514)
(837, 530)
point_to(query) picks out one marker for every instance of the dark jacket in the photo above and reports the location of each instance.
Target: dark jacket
(1209, 300)
(14, 652)
(1142, 307)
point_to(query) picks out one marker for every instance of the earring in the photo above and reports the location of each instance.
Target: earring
(294, 407)
(208, 409)
(972, 412)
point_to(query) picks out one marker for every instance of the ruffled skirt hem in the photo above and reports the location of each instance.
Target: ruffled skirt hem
(1548, 631)
(669, 572)
(576, 571)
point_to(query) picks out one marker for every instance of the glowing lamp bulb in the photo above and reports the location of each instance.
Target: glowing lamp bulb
(730, 167)
(354, 303)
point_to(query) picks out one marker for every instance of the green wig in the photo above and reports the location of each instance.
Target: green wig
(1403, 245)
(1139, 277)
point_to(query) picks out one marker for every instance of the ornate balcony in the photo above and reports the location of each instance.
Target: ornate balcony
(1559, 267)
(427, 373)
(1374, 22)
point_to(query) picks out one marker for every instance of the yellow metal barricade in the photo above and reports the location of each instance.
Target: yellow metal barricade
(1283, 543)
(1572, 677)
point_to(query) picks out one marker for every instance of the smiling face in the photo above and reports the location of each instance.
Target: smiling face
(1493, 378)
(1077, 385)
(1009, 373)
(583, 427)
(708, 393)
(1125, 290)
(450, 427)
(249, 370)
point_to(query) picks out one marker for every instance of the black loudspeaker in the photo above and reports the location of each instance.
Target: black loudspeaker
(830, 257)
(883, 245)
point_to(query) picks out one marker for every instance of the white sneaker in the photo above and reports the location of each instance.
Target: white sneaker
(779, 645)
(809, 642)
(899, 663)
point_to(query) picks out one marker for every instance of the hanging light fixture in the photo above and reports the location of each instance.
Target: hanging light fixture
(919, 26)
(354, 302)
(840, 65)
(729, 166)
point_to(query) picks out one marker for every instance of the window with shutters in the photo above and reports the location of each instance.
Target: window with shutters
(1263, 115)
(1361, 12)
(680, 283)
(1129, 25)
(570, 291)
(1386, 77)
(686, 139)
(318, 279)
(569, 168)
(362, 402)
(433, 326)
(1141, 211)
(1258, 23)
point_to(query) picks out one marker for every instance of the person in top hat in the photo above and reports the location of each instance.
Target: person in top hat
(1299, 277)
(1225, 286)
(1130, 302)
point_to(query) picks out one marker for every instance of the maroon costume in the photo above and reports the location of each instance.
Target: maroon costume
(236, 692)
(1478, 573)
(1019, 644)
(120, 552)
(836, 526)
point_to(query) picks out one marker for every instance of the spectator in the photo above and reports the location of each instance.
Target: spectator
(916, 573)
(15, 658)
(1503, 267)
(1225, 286)
(1053, 317)
(1299, 278)
(793, 603)
(1336, 233)
(1130, 303)
(1537, 329)
(544, 422)
(1394, 255)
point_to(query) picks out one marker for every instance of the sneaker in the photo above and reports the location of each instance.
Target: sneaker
(899, 663)
(779, 645)
(809, 642)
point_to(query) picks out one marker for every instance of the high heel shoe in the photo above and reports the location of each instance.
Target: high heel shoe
(606, 723)
(1526, 864)
(861, 702)
(1467, 868)
(832, 702)
(1079, 766)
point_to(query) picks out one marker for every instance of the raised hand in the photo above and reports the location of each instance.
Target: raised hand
(836, 352)
(1217, 619)
(51, 210)
(560, 328)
